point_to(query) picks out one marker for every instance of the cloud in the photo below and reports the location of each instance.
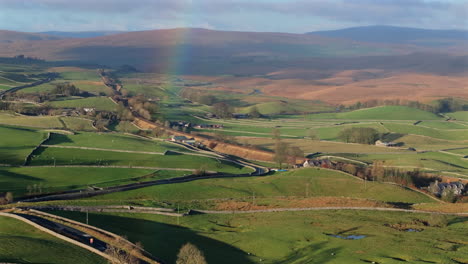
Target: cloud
(259, 15)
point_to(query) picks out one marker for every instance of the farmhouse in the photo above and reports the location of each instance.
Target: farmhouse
(178, 138)
(385, 144)
(438, 188)
(317, 163)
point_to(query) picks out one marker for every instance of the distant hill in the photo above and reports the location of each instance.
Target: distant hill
(399, 35)
(7, 36)
(201, 50)
(80, 34)
(210, 52)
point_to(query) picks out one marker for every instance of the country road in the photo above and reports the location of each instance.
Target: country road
(50, 77)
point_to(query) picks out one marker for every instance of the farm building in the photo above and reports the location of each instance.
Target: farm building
(380, 143)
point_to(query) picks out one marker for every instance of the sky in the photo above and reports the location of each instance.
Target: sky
(295, 16)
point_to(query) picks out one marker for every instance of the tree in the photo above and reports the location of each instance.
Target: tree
(190, 254)
(9, 197)
(311, 134)
(119, 256)
(254, 113)
(276, 133)
(378, 170)
(222, 110)
(206, 99)
(293, 154)
(281, 152)
(350, 168)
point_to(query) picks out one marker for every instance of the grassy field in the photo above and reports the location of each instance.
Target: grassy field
(456, 134)
(439, 162)
(57, 179)
(76, 123)
(296, 237)
(312, 146)
(46, 156)
(313, 182)
(421, 143)
(7, 118)
(112, 141)
(22, 243)
(100, 103)
(461, 115)
(17, 143)
(381, 113)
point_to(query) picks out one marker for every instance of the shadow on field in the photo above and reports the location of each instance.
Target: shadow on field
(17, 176)
(56, 139)
(163, 240)
(315, 253)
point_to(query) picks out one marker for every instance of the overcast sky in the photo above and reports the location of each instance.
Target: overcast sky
(296, 16)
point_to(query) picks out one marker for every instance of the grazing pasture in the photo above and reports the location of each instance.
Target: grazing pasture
(298, 183)
(296, 237)
(99, 103)
(59, 156)
(17, 143)
(34, 180)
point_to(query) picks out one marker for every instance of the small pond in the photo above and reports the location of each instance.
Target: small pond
(350, 237)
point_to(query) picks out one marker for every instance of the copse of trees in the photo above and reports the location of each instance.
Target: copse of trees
(445, 105)
(198, 96)
(361, 135)
(65, 89)
(222, 110)
(143, 107)
(448, 105)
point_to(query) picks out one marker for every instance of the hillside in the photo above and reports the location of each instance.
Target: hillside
(209, 50)
(7, 36)
(400, 35)
(80, 34)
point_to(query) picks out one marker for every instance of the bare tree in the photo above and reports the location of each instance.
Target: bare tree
(190, 254)
(281, 153)
(118, 255)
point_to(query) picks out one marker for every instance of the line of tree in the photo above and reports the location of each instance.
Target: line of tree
(379, 172)
(444, 105)
(376, 102)
(361, 135)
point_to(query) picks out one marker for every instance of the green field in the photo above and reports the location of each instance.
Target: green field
(381, 113)
(56, 179)
(461, 115)
(295, 237)
(99, 103)
(319, 183)
(76, 123)
(22, 243)
(17, 143)
(112, 141)
(437, 161)
(8, 118)
(46, 156)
